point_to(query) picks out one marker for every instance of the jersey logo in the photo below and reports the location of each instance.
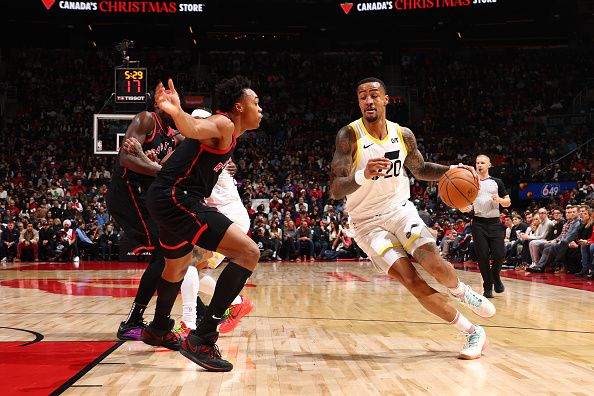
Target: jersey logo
(394, 140)
(369, 145)
(218, 167)
(409, 233)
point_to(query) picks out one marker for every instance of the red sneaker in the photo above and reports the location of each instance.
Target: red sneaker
(183, 330)
(161, 337)
(236, 312)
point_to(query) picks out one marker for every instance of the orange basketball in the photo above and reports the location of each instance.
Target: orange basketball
(458, 188)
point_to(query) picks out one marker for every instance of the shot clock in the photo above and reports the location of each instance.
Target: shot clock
(130, 85)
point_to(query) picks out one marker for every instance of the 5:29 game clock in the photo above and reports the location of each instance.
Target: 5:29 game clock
(130, 84)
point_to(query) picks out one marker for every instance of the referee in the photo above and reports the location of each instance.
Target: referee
(487, 230)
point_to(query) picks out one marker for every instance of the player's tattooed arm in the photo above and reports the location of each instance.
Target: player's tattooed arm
(341, 180)
(415, 162)
(197, 254)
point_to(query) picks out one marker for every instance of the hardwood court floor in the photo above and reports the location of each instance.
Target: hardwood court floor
(317, 329)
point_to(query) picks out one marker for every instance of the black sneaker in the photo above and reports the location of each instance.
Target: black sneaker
(499, 288)
(204, 351)
(130, 331)
(161, 337)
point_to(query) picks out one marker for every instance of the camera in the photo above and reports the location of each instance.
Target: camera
(122, 48)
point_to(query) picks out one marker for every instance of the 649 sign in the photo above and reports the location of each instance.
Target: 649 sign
(130, 84)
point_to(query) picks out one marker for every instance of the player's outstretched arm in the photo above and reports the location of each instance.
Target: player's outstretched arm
(199, 129)
(416, 163)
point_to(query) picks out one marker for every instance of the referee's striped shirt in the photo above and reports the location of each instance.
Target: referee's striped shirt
(484, 206)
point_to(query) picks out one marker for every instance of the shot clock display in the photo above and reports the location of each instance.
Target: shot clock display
(130, 84)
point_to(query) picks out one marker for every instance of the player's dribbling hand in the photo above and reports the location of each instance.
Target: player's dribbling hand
(472, 170)
(466, 209)
(376, 166)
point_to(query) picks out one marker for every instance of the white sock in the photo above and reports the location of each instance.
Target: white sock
(462, 324)
(189, 291)
(208, 284)
(459, 290)
(237, 300)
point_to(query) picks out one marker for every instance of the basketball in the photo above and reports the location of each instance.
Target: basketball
(458, 188)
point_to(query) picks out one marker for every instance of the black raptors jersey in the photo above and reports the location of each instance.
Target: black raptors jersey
(161, 140)
(194, 168)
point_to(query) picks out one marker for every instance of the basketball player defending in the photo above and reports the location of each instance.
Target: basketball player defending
(226, 199)
(367, 168)
(126, 202)
(176, 201)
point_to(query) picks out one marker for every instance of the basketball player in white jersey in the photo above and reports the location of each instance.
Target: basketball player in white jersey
(226, 199)
(368, 168)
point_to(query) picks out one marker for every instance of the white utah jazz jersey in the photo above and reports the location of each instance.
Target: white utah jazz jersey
(383, 194)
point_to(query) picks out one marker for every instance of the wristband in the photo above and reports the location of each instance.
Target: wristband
(360, 178)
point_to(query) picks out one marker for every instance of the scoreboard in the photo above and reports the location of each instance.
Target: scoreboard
(130, 85)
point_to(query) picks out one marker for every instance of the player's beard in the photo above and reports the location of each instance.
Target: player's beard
(372, 118)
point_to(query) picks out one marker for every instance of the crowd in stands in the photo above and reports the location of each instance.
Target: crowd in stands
(52, 187)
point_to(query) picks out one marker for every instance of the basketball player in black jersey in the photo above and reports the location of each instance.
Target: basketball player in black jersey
(126, 202)
(176, 201)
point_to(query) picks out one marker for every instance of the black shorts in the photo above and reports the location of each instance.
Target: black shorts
(126, 203)
(185, 221)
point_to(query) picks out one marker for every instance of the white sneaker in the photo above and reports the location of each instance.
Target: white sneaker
(3, 259)
(476, 343)
(478, 304)
(75, 259)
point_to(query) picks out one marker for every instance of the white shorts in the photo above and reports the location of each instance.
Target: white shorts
(226, 199)
(387, 237)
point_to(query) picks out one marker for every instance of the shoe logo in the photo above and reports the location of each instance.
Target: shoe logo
(215, 318)
(188, 345)
(369, 145)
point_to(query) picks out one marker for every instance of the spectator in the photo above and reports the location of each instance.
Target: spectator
(69, 238)
(544, 227)
(84, 244)
(264, 243)
(276, 238)
(557, 248)
(584, 240)
(46, 241)
(289, 252)
(108, 244)
(28, 241)
(304, 242)
(321, 237)
(102, 216)
(10, 239)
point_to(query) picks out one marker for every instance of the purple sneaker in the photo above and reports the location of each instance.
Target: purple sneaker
(131, 330)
